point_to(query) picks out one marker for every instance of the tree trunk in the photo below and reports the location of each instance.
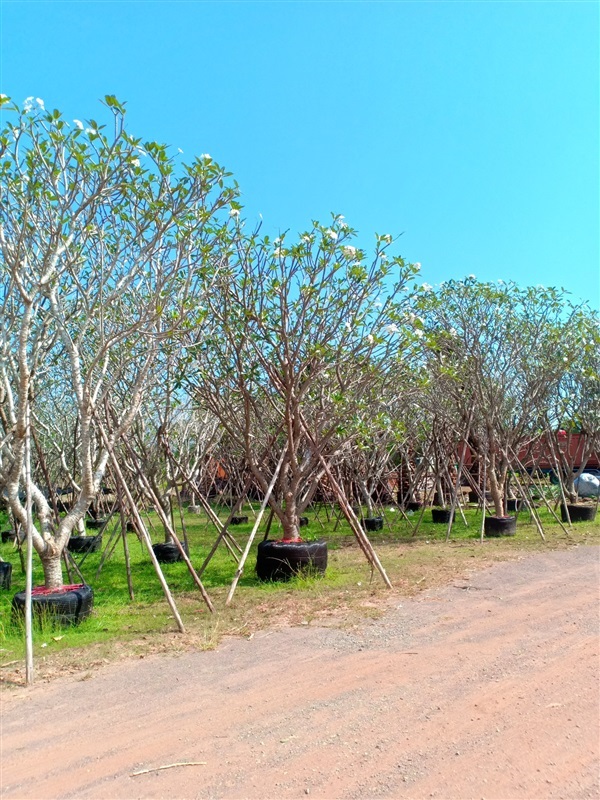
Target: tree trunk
(291, 525)
(51, 561)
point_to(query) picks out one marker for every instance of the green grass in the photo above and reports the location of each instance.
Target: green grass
(348, 591)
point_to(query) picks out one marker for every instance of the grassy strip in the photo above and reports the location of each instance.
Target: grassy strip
(348, 593)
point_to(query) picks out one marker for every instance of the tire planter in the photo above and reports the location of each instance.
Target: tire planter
(241, 520)
(85, 544)
(8, 536)
(303, 521)
(578, 513)
(5, 574)
(67, 606)
(514, 505)
(500, 526)
(373, 523)
(441, 516)
(280, 561)
(95, 524)
(168, 553)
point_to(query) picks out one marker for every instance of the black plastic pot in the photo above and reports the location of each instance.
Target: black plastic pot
(578, 513)
(514, 505)
(279, 561)
(241, 520)
(414, 505)
(303, 521)
(473, 497)
(95, 524)
(168, 552)
(500, 526)
(5, 574)
(68, 606)
(373, 523)
(85, 544)
(441, 515)
(8, 536)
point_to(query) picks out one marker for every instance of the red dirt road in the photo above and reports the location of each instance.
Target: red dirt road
(485, 689)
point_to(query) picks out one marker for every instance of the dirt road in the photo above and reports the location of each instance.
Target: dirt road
(485, 689)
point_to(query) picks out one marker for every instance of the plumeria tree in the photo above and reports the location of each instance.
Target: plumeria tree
(104, 240)
(306, 335)
(492, 349)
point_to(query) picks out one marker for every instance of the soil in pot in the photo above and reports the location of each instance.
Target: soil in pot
(578, 512)
(373, 523)
(69, 605)
(85, 544)
(441, 515)
(279, 561)
(500, 526)
(5, 574)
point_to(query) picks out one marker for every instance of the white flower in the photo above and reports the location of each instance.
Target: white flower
(419, 333)
(91, 131)
(306, 238)
(427, 287)
(277, 240)
(370, 338)
(28, 105)
(472, 277)
(383, 256)
(78, 124)
(417, 266)
(393, 510)
(387, 237)
(392, 328)
(3, 97)
(453, 332)
(348, 326)
(135, 162)
(206, 157)
(378, 304)
(277, 252)
(141, 150)
(179, 150)
(343, 225)
(235, 212)
(349, 251)
(332, 234)
(40, 103)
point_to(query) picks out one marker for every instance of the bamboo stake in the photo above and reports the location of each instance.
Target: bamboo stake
(125, 542)
(362, 538)
(29, 674)
(141, 528)
(244, 556)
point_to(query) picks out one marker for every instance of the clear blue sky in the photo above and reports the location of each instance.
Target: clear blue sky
(470, 127)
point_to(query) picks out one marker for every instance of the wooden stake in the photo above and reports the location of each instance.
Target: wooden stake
(240, 568)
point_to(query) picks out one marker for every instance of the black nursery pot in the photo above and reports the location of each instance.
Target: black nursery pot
(303, 521)
(373, 523)
(239, 520)
(578, 513)
(85, 544)
(414, 505)
(8, 536)
(67, 606)
(441, 515)
(168, 552)
(95, 524)
(500, 526)
(514, 505)
(279, 561)
(5, 574)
